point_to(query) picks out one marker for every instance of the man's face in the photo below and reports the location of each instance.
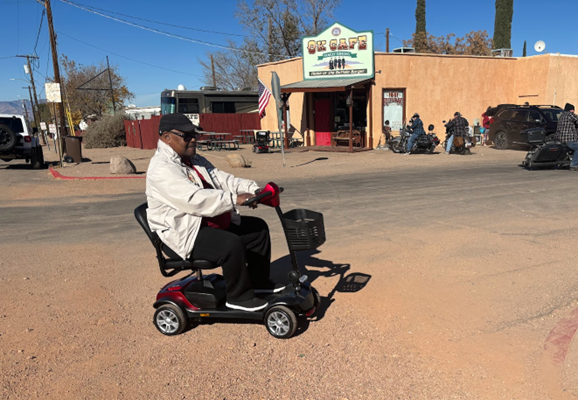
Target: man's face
(184, 144)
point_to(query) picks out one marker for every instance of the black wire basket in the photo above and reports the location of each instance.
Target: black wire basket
(304, 229)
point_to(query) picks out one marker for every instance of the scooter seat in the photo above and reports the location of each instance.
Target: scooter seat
(172, 263)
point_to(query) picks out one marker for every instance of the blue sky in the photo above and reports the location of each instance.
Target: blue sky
(88, 38)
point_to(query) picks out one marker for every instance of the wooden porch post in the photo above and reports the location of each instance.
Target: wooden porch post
(285, 138)
(351, 121)
(370, 144)
(307, 119)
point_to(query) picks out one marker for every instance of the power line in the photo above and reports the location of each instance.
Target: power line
(162, 23)
(128, 58)
(39, 28)
(4, 58)
(187, 39)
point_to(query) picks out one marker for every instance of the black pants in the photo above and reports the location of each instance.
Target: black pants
(243, 251)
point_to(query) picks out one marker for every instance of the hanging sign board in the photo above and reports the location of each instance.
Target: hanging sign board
(43, 126)
(52, 92)
(338, 52)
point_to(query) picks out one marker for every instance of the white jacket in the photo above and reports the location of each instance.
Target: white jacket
(177, 200)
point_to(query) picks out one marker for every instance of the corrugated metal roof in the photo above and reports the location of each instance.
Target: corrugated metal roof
(325, 83)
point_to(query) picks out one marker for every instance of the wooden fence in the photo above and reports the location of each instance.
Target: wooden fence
(144, 133)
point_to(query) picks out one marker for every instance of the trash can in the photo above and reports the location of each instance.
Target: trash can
(74, 147)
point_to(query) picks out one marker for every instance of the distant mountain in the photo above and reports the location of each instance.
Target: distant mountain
(15, 107)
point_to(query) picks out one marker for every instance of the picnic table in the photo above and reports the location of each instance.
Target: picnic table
(248, 135)
(216, 141)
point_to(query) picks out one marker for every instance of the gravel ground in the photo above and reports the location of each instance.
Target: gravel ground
(442, 316)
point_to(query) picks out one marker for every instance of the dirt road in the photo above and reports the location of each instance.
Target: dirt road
(443, 277)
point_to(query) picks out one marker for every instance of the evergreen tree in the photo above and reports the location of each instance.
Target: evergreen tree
(503, 24)
(420, 31)
(524, 51)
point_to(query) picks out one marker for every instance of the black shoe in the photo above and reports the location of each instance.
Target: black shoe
(574, 168)
(271, 287)
(254, 304)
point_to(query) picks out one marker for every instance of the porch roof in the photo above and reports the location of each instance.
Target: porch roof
(324, 85)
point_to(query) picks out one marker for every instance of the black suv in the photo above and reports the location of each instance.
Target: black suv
(510, 120)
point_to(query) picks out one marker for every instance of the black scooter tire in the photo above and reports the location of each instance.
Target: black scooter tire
(166, 316)
(280, 322)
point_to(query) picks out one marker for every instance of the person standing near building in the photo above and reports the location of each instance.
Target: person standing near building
(567, 132)
(416, 130)
(385, 136)
(460, 128)
(485, 130)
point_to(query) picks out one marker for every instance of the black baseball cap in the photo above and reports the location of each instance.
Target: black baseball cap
(177, 121)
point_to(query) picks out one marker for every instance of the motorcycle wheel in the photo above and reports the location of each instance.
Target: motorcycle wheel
(394, 145)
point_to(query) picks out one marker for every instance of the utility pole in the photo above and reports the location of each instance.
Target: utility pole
(25, 109)
(35, 107)
(46, 4)
(213, 69)
(111, 91)
(33, 114)
(387, 40)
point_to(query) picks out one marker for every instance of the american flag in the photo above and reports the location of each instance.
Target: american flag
(264, 96)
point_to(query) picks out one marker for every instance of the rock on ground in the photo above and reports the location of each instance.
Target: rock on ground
(237, 161)
(121, 165)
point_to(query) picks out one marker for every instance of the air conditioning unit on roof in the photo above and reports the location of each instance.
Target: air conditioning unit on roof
(502, 53)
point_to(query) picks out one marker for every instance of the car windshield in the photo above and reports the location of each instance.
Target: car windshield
(552, 115)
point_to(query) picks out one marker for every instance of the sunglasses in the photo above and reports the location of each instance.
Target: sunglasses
(187, 137)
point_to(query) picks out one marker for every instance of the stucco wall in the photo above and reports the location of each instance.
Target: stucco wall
(438, 85)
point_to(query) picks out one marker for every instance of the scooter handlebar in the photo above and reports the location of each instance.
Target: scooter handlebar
(262, 195)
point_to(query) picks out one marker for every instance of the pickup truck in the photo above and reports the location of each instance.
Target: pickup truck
(18, 142)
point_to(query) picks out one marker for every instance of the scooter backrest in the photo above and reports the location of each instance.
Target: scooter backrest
(140, 213)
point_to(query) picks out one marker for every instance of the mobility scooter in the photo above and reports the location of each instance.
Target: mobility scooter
(197, 297)
(261, 142)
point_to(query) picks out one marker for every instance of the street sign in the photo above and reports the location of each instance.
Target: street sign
(53, 92)
(43, 126)
(52, 128)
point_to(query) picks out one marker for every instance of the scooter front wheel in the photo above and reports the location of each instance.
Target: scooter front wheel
(281, 322)
(170, 320)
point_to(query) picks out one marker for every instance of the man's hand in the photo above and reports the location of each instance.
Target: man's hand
(241, 198)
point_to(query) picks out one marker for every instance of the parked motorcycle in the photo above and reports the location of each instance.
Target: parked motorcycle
(460, 145)
(423, 144)
(546, 151)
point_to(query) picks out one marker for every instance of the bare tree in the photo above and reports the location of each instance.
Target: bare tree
(476, 43)
(98, 99)
(276, 28)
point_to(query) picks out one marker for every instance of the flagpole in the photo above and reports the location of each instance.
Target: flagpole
(276, 89)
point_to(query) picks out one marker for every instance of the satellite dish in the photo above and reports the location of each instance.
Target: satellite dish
(539, 46)
(181, 87)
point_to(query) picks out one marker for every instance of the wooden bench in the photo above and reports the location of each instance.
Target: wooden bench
(341, 138)
(201, 143)
(224, 145)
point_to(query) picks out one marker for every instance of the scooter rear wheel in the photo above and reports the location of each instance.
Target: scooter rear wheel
(281, 322)
(170, 320)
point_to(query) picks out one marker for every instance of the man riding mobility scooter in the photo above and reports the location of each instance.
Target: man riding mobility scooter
(197, 296)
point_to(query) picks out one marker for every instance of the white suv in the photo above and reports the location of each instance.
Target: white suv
(17, 141)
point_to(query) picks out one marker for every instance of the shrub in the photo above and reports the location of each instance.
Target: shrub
(106, 132)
